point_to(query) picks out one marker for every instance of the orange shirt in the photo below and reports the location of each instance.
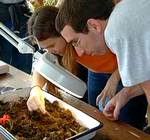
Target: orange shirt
(106, 63)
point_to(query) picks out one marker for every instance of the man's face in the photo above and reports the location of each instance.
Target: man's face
(84, 44)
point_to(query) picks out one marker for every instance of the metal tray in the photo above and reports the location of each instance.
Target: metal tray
(84, 119)
(5, 135)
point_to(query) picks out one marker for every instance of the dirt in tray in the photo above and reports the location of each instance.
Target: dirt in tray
(59, 124)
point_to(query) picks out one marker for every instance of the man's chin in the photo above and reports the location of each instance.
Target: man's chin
(94, 54)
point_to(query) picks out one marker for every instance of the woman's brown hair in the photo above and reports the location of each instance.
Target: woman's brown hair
(42, 25)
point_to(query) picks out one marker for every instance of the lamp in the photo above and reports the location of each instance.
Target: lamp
(47, 66)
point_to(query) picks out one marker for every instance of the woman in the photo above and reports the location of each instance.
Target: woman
(51, 40)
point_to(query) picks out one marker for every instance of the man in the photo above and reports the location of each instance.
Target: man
(96, 26)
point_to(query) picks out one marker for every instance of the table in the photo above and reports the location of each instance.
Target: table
(111, 130)
(15, 78)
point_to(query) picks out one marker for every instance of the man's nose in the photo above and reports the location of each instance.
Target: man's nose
(79, 51)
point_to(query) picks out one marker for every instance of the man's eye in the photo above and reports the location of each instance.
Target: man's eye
(75, 43)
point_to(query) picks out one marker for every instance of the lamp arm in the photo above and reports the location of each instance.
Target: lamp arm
(21, 45)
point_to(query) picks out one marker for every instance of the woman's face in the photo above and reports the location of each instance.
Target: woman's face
(54, 45)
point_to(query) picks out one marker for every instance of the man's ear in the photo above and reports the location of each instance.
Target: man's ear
(94, 24)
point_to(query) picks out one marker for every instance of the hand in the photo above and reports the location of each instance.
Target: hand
(113, 107)
(146, 88)
(36, 100)
(109, 91)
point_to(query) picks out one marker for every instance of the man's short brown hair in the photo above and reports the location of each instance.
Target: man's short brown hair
(76, 13)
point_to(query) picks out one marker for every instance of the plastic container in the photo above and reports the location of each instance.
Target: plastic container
(100, 106)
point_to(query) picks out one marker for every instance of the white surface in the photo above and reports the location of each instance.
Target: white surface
(4, 68)
(48, 67)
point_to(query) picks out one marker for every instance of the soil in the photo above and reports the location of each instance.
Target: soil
(58, 124)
